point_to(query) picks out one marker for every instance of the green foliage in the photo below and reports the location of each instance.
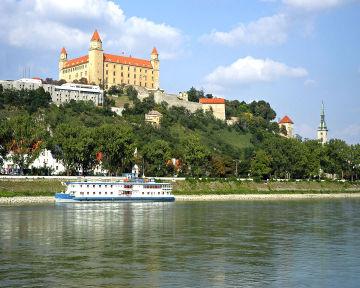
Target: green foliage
(260, 165)
(116, 144)
(194, 95)
(76, 146)
(30, 100)
(27, 139)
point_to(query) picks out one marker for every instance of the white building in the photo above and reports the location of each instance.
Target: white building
(44, 160)
(60, 94)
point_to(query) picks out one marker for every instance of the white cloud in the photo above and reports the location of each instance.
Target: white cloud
(314, 5)
(309, 82)
(51, 24)
(266, 30)
(250, 70)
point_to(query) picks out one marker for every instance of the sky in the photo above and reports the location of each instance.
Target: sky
(293, 54)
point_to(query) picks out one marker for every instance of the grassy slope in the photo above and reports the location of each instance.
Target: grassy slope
(11, 188)
(235, 139)
(237, 187)
(120, 101)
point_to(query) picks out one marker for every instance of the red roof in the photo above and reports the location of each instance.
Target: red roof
(127, 60)
(286, 120)
(96, 36)
(76, 61)
(37, 78)
(212, 100)
(154, 51)
(63, 51)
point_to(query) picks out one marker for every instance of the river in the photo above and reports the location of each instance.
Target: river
(312, 243)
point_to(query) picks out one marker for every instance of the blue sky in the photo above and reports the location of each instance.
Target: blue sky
(291, 53)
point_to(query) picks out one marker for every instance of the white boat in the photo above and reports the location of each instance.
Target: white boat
(129, 188)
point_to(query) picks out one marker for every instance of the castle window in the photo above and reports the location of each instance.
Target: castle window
(114, 66)
(134, 75)
(106, 65)
(122, 74)
(121, 67)
(128, 75)
(114, 80)
(106, 72)
(114, 73)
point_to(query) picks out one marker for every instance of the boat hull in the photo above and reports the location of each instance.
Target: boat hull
(66, 198)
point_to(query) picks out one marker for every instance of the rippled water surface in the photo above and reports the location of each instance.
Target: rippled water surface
(181, 244)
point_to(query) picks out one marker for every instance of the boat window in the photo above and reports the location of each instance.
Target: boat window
(87, 193)
(87, 186)
(105, 186)
(81, 193)
(111, 186)
(80, 185)
(93, 186)
(93, 193)
(99, 193)
(100, 186)
(143, 193)
(106, 193)
(111, 192)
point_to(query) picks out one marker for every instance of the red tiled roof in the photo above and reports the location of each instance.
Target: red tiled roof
(154, 51)
(286, 120)
(63, 51)
(37, 78)
(96, 36)
(212, 100)
(76, 61)
(127, 60)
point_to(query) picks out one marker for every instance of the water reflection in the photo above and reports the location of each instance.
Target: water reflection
(203, 244)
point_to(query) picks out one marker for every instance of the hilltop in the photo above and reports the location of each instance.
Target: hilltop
(83, 136)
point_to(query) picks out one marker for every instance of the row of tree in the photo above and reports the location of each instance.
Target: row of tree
(83, 136)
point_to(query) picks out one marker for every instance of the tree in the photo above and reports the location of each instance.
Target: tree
(156, 154)
(5, 139)
(194, 95)
(75, 146)
(195, 155)
(260, 165)
(27, 135)
(338, 157)
(116, 143)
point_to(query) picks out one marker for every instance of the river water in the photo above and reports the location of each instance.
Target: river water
(183, 244)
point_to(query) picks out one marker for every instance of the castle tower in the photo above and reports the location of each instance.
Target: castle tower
(96, 60)
(287, 123)
(62, 61)
(156, 66)
(322, 131)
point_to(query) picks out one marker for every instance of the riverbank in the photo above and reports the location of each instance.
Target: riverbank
(30, 187)
(21, 200)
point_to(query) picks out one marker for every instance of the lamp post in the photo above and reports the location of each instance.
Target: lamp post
(237, 161)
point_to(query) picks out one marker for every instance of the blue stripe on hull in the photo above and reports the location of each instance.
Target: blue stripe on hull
(67, 198)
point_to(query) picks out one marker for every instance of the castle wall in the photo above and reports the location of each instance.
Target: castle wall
(75, 73)
(217, 109)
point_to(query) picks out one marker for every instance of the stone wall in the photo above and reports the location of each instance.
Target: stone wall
(170, 99)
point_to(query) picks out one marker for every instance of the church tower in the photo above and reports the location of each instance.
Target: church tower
(96, 60)
(322, 132)
(155, 63)
(62, 61)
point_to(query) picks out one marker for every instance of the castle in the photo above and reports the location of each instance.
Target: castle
(107, 70)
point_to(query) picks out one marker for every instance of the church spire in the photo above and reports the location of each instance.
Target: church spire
(322, 131)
